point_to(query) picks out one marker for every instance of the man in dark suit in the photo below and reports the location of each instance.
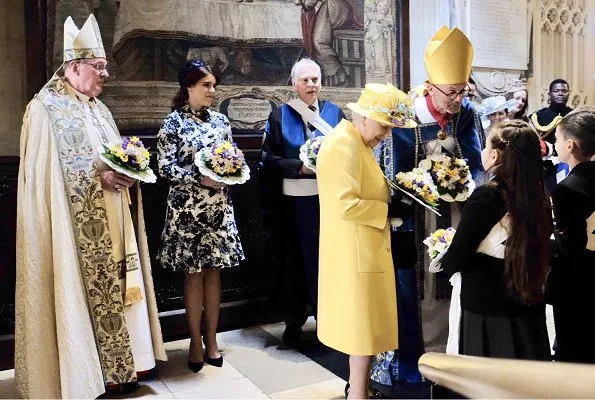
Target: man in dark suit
(546, 119)
(291, 193)
(545, 122)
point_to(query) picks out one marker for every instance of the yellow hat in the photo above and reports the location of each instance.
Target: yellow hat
(83, 43)
(448, 57)
(384, 104)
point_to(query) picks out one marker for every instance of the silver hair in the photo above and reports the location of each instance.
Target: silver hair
(65, 67)
(303, 63)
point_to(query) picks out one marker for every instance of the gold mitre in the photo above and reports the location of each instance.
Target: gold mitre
(448, 57)
(83, 43)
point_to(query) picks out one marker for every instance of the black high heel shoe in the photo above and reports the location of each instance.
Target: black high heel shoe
(215, 362)
(347, 387)
(195, 366)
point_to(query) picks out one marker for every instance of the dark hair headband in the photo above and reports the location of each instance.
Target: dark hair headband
(189, 68)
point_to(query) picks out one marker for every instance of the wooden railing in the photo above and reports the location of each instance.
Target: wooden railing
(479, 377)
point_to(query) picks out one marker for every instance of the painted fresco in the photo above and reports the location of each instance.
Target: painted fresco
(251, 43)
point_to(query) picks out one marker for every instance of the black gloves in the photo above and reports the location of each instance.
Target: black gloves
(401, 206)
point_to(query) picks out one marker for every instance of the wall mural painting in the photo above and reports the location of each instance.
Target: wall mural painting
(248, 42)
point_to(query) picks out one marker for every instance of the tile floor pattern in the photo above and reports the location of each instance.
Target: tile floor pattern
(256, 366)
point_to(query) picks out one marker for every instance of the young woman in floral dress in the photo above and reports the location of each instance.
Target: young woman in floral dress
(200, 235)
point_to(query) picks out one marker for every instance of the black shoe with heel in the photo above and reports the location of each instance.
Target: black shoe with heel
(347, 389)
(215, 362)
(195, 366)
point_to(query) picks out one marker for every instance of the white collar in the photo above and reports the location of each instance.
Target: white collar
(420, 107)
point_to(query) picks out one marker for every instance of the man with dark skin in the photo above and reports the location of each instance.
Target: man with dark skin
(547, 119)
(545, 122)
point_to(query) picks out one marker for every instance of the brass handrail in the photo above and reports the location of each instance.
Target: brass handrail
(480, 377)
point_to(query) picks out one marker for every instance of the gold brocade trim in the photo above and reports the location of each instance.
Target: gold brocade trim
(133, 295)
(75, 54)
(545, 130)
(99, 271)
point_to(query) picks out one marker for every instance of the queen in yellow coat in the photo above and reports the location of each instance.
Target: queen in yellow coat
(357, 308)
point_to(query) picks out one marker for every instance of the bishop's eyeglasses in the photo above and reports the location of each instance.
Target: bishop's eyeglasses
(453, 94)
(99, 67)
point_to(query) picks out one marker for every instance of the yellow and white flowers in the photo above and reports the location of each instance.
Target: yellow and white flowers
(418, 184)
(129, 157)
(438, 244)
(451, 176)
(223, 162)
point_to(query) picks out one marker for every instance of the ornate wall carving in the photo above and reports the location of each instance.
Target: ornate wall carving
(563, 37)
(143, 105)
(380, 37)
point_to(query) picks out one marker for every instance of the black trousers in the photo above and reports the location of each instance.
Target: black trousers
(575, 331)
(300, 226)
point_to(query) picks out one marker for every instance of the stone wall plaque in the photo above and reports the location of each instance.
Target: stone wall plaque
(499, 32)
(247, 111)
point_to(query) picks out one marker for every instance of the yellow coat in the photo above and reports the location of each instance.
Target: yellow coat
(357, 305)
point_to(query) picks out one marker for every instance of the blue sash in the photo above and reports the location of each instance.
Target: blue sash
(294, 130)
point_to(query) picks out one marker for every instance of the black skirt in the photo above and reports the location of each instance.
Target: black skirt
(523, 337)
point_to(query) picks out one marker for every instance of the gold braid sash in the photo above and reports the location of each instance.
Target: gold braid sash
(547, 129)
(99, 271)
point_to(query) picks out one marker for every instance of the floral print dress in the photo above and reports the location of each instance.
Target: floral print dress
(200, 230)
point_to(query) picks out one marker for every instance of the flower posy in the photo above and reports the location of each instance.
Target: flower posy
(225, 159)
(223, 162)
(451, 176)
(419, 183)
(128, 153)
(309, 152)
(313, 146)
(439, 241)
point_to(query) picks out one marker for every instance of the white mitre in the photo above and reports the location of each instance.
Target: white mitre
(83, 43)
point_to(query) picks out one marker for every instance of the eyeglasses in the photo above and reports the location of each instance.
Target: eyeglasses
(99, 67)
(452, 94)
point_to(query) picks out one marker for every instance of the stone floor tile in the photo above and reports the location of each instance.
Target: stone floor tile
(331, 389)
(259, 357)
(236, 389)
(177, 377)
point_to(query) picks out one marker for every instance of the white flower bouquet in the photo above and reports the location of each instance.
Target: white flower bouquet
(438, 244)
(129, 157)
(223, 162)
(309, 152)
(418, 185)
(451, 176)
